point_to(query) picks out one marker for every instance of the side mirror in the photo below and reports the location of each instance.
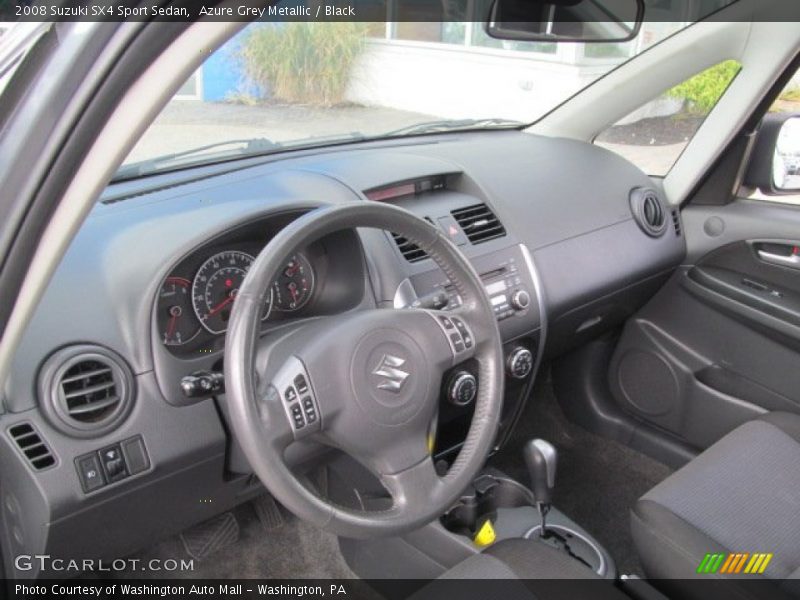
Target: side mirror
(565, 20)
(775, 164)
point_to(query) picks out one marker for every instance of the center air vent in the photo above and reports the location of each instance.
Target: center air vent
(479, 223)
(410, 251)
(648, 211)
(86, 390)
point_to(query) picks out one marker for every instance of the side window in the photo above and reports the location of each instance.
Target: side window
(654, 136)
(786, 160)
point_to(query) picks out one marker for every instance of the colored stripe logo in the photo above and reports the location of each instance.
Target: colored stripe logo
(735, 563)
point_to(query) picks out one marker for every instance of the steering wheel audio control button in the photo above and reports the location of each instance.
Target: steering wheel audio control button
(458, 334)
(298, 398)
(310, 411)
(297, 416)
(290, 395)
(301, 384)
(458, 342)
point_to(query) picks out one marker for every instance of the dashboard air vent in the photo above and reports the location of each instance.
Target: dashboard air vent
(89, 390)
(648, 211)
(676, 222)
(32, 446)
(479, 223)
(86, 390)
(410, 251)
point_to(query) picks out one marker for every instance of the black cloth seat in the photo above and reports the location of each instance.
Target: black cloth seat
(529, 570)
(742, 495)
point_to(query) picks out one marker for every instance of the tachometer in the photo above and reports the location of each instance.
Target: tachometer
(176, 322)
(215, 287)
(294, 285)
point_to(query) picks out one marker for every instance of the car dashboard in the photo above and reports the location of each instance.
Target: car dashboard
(123, 358)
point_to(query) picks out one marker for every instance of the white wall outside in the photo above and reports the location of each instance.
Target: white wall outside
(468, 81)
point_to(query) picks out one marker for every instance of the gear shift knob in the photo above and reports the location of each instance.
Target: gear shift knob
(540, 458)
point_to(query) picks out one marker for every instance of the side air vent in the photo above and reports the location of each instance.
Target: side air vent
(479, 223)
(86, 390)
(32, 445)
(676, 222)
(648, 211)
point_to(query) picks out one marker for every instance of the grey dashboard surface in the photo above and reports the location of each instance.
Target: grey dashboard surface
(566, 201)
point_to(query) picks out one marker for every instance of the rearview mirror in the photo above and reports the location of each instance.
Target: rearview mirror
(775, 164)
(565, 20)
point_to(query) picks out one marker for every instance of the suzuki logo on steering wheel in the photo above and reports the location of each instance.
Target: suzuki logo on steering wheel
(388, 367)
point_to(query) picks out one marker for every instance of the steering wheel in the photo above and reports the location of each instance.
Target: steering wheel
(366, 382)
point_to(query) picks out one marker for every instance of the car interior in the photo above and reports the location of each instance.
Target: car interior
(495, 353)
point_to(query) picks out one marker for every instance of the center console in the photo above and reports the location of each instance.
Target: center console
(511, 510)
(493, 508)
(510, 282)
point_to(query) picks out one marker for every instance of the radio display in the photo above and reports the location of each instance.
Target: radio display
(497, 287)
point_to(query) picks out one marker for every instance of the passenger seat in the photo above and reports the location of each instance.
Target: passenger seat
(742, 495)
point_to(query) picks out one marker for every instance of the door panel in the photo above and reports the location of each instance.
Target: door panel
(720, 343)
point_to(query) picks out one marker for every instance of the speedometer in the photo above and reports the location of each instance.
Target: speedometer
(215, 288)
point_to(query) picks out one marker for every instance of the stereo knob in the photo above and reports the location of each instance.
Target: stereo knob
(520, 300)
(462, 389)
(520, 363)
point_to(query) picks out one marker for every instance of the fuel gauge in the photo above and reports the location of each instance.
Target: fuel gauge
(176, 321)
(294, 285)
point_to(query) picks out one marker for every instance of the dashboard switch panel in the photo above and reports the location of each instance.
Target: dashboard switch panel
(112, 464)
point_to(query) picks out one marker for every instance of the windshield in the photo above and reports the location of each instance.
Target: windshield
(287, 85)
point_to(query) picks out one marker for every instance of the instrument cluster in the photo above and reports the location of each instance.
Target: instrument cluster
(195, 300)
(188, 307)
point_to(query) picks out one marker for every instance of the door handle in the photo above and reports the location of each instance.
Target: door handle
(785, 260)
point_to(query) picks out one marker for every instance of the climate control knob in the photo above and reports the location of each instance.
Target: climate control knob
(520, 363)
(520, 300)
(462, 388)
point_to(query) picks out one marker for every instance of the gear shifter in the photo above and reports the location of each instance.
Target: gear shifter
(540, 458)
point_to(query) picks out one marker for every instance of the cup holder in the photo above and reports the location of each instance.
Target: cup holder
(486, 495)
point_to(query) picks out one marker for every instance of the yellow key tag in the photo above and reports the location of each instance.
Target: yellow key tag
(486, 535)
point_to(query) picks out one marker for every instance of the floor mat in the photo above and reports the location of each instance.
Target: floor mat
(290, 549)
(597, 481)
